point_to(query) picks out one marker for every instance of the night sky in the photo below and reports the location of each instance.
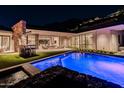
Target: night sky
(41, 15)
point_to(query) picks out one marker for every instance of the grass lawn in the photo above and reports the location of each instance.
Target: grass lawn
(15, 59)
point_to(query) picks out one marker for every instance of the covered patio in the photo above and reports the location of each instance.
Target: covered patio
(108, 38)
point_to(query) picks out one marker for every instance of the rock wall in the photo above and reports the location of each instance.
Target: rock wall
(19, 30)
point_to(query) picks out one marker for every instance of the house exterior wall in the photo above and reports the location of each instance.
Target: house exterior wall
(114, 42)
(49, 33)
(6, 39)
(103, 40)
(33, 38)
(56, 39)
(107, 40)
(100, 39)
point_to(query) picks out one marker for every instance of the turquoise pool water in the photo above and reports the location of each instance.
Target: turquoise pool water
(101, 66)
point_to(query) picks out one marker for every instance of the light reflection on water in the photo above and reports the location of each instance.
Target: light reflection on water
(103, 67)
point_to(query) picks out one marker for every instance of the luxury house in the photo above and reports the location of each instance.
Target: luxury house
(108, 38)
(10, 41)
(98, 33)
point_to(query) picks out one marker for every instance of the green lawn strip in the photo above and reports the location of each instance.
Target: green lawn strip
(11, 60)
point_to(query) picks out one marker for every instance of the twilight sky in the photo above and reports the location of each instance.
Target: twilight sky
(40, 15)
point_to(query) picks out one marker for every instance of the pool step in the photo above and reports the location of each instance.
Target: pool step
(31, 70)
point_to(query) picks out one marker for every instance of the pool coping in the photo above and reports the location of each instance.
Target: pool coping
(35, 61)
(30, 70)
(120, 56)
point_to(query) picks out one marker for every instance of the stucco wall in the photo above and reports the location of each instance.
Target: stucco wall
(106, 40)
(103, 40)
(114, 44)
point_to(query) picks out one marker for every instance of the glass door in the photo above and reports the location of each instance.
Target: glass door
(5, 43)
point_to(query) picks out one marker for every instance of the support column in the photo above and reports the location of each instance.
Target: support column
(95, 39)
(121, 39)
(37, 41)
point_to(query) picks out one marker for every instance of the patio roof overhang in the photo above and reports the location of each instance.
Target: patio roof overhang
(115, 28)
(50, 33)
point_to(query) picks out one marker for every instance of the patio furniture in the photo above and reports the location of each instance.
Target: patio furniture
(28, 51)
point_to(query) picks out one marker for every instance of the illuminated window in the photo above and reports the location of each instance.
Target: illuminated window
(31, 40)
(5, 43)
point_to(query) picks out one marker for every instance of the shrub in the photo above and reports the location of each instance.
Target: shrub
(111, 53)
(96, 51)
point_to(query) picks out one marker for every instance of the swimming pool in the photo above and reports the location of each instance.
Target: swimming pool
(101, 66)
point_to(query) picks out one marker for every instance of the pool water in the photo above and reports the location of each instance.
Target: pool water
(101, 66)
